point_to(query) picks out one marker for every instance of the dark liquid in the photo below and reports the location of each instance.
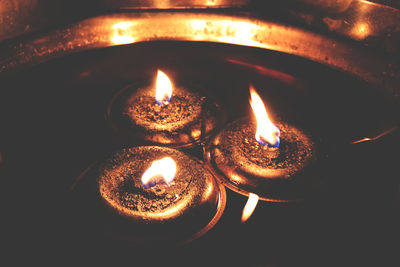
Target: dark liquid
(53, 127)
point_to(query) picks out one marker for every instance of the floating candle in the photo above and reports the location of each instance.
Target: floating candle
(152, 193)
(261, 158)
(163, 114)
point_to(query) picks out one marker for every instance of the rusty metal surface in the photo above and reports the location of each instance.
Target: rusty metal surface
(375, 23)
(15, 18)
(179, 4)
(371, 23)
(129, 28)
(22, 17)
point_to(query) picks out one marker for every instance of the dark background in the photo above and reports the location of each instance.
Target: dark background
(53, 127)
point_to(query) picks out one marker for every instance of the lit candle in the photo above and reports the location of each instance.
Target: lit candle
(153, 193)
(163, 114)
(265, 158)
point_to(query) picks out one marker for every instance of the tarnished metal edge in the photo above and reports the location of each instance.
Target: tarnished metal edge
(99, 32)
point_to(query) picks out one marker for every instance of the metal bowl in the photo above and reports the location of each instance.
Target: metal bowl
(57, 82)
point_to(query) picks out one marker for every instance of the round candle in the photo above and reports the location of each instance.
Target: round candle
(246, 163)
(156, 193)
(177, 116)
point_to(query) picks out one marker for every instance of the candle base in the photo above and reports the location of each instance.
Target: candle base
(134, 113)
(111, 196)
(274, 174)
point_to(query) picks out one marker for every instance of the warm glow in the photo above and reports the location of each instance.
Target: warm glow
(226, 31)
(211, 2)
(361, 30)
(160, 171)
(250, 206)
(122, 33)
(163, 88)
(267, 133)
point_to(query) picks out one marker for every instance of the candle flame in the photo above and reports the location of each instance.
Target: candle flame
(163, 88)
(267, 133)
(250, 206)
(160, 171)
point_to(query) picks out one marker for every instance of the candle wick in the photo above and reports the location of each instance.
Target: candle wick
(164, 101)
(275, 136)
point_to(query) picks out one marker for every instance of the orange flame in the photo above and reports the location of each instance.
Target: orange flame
(267, 133)
(163, 88)
(160, 171)
(250, 206)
